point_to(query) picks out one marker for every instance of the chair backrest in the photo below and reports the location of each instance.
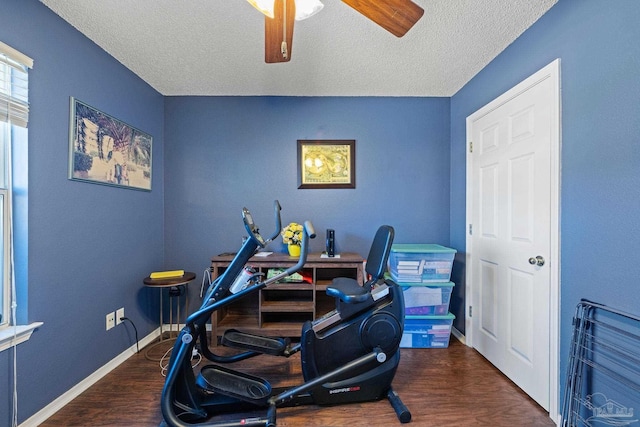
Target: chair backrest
(379, 252)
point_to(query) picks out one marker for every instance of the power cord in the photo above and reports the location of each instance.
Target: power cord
(165, 366)
(122, 319)
(206, 275)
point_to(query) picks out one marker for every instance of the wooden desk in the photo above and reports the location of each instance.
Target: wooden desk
(280, 309)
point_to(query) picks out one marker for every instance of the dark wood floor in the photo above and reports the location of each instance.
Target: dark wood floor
(441, 387)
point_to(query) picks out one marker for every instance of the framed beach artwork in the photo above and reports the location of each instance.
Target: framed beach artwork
(326, 164)
(105, 150)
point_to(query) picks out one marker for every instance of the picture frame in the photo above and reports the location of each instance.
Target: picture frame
(326, 164)
(105, 150)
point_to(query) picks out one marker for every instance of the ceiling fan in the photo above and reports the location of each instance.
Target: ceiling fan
(395, 16)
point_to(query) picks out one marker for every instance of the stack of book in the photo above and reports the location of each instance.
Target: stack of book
(409, 271)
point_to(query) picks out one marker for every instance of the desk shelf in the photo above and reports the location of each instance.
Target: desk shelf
(281, 308)
(290, 306)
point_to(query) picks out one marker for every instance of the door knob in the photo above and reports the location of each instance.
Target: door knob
(539, 261)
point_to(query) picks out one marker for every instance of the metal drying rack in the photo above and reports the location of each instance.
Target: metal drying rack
(603, 376)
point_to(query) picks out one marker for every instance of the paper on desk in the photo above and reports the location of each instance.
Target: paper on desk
(325, 255)
(263, 254)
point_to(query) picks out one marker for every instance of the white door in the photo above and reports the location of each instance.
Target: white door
(513, 231)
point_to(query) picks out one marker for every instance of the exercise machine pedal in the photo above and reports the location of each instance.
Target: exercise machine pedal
(242, 340)
(217, 379)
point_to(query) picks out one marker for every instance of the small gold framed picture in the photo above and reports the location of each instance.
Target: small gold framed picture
(326, 164)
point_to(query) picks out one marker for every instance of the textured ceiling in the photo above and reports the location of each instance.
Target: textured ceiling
(216, 47)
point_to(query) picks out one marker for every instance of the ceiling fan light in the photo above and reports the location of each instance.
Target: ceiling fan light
(307, 8)
(264, 6)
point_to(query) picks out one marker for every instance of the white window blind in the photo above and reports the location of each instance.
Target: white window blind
(14, 86)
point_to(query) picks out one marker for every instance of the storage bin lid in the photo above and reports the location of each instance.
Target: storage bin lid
(421, 248)
(427, 285)
(387, 275)
(448, 316)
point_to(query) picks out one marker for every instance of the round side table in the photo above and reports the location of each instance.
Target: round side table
(177, 287)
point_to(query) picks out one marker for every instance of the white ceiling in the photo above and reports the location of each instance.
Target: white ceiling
(216, 47)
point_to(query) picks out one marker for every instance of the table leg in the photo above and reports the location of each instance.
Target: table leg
(170, 313)
(161, 315)
(175, 289)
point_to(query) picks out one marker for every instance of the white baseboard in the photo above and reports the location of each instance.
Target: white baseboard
(458, 335)
(53, 407)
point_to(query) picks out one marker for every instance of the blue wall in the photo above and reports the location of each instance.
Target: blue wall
(597, 43)
(225, 153)
(89, 245)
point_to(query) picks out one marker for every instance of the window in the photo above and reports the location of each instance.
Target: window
(14, 112)
(5, 297)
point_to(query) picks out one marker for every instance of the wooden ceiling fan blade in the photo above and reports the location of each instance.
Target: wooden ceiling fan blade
(395, 16)
(278, 32)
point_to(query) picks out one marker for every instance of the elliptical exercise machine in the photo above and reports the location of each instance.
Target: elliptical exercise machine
(349, 355)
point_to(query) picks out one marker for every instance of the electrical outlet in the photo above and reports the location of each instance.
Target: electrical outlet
(111, 320)
(119, 315)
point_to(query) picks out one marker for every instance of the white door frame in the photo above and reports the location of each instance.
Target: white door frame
(551, 71)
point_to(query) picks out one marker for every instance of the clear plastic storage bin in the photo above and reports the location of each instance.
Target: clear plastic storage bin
(427, 299)
(420, 263)
(427, 331)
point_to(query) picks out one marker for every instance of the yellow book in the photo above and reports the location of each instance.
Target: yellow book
(166, 274)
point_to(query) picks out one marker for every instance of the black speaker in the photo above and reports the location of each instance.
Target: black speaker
(331, 242)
